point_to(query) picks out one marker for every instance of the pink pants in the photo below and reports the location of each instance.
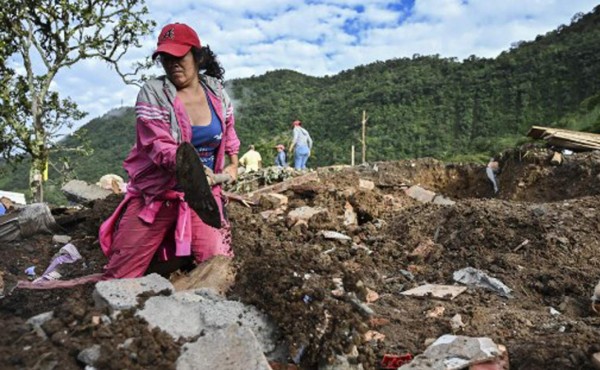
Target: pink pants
(136, 242)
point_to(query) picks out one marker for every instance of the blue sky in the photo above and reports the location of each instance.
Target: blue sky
(324, 37)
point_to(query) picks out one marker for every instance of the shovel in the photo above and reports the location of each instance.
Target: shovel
(192, 179)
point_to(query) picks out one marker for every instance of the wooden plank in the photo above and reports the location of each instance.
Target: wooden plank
(435, 291)
(283, 186)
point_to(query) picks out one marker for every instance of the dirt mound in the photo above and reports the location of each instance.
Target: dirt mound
(538, 236)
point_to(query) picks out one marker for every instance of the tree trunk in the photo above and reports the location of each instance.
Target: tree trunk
(36, 178)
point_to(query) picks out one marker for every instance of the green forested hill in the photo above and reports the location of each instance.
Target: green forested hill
(419, 106)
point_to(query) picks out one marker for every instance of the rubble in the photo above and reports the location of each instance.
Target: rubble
(319, 291)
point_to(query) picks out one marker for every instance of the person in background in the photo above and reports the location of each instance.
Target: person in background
(280, 159)
(301, 145)
(187, 104)
(491, 170)
(251, 159)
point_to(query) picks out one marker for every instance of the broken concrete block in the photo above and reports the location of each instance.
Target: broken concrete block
(420, 194)
(179, 317)
(61, 239)
(122, 294)
(234, 347)
(450, 352)
(366, 184)
(304, 213)
(435, 291)
(81, 192)
(186, 314)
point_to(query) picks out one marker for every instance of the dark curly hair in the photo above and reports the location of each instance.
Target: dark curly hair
(208, 62)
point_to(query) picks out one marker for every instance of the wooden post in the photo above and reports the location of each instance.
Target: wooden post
(352, 156)
(364, 135)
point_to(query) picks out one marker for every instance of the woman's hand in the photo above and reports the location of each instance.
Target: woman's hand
(232, 170)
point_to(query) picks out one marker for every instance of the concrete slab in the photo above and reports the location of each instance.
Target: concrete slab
(122, 294)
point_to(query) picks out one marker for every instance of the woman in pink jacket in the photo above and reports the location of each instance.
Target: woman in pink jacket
(188, 104)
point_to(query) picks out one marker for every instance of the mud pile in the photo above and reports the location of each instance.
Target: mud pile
(539, 236)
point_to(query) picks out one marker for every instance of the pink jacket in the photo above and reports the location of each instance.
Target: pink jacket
(161, 124)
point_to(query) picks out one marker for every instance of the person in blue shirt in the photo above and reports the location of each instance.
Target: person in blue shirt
(301, 145)
(280, 159)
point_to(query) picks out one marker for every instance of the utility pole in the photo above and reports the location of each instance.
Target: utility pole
(364, 137)
(352, 156)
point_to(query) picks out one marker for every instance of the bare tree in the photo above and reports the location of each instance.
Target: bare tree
(43, 37)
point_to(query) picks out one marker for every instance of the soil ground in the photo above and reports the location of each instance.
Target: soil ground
(288, 272)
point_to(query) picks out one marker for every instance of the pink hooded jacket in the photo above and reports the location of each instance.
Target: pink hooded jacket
(161, 124)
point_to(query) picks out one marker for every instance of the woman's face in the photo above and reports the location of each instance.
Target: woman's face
(181, 71)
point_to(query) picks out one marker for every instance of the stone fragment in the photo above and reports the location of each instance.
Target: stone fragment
(61, 239)
(273, 200)
(327, 234)
(122, 294)
(420, 194)
(366, 184)
(303, 213)
(90, 356)
(350, 217)
(435, 291)
(436, 312)
(234, 347)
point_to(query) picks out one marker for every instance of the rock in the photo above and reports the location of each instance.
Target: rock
(456, 323)
(443, 201)
(436, 312)
(234, 347)
(366, 184)
(273, 201)
(335, 235)
(420, 194)
(350, 217)
(303, 213)
(90, 356)
(61, 239)
(121, 294)
(39, 320)
(81, 192)
(374, 335)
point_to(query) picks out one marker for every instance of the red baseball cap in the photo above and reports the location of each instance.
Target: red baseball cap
(176, 39)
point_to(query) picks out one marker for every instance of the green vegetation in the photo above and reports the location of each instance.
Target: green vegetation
(417, 107)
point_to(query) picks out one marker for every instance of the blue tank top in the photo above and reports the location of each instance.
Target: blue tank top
(206, 139)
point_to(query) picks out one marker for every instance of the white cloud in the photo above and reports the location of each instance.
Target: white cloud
(323, 37)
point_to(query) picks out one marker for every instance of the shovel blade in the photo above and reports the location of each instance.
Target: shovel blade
(192, 179)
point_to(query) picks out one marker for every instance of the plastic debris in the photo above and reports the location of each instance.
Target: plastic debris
(395, 361)
(66, 254)
(30, 271)
(473, 277)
